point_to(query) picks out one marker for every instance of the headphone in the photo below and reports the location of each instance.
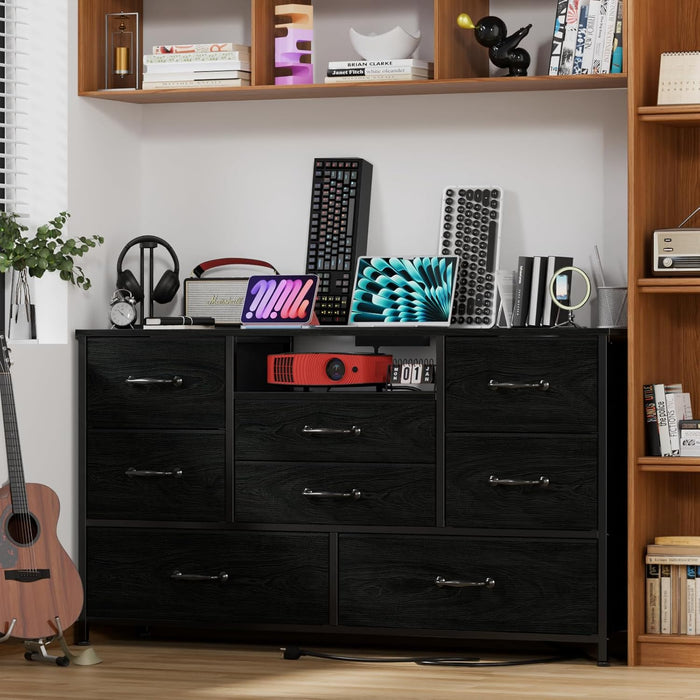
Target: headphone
(167, 285)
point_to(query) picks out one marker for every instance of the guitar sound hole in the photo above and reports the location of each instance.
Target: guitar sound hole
(22, 528)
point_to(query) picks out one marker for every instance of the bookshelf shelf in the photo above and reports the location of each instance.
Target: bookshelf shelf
(673, 115)
(418, 87)
(688, 465)
(669, 285)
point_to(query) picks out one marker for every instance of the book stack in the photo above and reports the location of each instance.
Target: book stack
(672, 593)
(666, 408)
(532, 302)
(389, 70)
(196, 66)
(587, 37)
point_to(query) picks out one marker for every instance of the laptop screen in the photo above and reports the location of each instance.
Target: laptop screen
(416, 291)
(276, 300)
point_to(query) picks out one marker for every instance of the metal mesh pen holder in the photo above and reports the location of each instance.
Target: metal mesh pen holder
(612, 307)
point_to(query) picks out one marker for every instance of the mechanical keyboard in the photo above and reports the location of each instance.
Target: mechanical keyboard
(338, 226)
(470, 224)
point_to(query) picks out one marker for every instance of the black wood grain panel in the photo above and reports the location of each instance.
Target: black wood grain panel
(273, 577)
(568, 501)
(198, 402)
(392, 428)
(540, 586)
(198, 494)
(389, 494)
(569, 364)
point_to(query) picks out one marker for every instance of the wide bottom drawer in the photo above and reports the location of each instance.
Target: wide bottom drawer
(504, 585)
(207, 577)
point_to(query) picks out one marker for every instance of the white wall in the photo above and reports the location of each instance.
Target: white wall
(219, 179)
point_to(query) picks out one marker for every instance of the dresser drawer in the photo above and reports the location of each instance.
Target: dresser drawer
(145, 382)
(365, 494)
(272, 577)
(156, 475)
(539, 586)
(520, 481)
(526, 384)
(335, 427)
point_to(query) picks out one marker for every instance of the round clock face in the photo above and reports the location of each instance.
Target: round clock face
(122, 314)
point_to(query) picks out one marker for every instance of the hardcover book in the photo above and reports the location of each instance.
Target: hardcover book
(566, 63)
(550, 311)
(538, 290)
(558, 36)
(653, 443)
(521, 291)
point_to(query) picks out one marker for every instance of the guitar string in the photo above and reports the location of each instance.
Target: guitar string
(14, 455)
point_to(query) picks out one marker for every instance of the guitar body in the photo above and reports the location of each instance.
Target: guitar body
(38, 580)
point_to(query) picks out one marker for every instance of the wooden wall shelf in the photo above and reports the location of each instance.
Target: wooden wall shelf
(423, 87)
(460, 64)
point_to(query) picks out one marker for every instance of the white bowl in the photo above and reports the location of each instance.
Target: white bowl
(396, 43)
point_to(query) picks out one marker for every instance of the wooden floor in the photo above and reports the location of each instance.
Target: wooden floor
(141, 670)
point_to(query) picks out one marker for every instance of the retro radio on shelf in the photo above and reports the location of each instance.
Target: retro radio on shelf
(676, 251)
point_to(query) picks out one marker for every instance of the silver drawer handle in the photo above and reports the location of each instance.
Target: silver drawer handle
(179, 576)
(176, 473)
(308, 430)
(354, 494)
(543, 482)
(542, 385)
(147, 381)
(488, 582)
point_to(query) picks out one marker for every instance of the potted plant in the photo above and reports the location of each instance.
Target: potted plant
(28, 255)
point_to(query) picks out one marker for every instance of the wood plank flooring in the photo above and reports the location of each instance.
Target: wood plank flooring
(141, 670)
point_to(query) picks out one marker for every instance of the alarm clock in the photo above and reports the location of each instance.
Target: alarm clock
(122, 309)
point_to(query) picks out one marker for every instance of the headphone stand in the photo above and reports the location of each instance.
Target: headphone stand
(142, 246)
(163, 290)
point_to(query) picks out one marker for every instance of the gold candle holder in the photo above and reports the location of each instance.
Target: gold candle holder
(122, 51)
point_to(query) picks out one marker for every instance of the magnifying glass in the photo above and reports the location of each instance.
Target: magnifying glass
(560, 287)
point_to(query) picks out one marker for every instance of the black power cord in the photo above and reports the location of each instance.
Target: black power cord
(293, 653)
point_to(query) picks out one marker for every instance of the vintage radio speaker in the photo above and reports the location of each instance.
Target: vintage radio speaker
(219, 297)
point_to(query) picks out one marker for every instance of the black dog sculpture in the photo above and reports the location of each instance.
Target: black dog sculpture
(491, 32)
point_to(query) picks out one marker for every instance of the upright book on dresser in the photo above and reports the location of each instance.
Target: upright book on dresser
(550, 311)
(521, 290)
(538, 290)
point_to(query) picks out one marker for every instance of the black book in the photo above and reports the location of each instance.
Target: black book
(521, 291)
(550, 311)
(651, 427)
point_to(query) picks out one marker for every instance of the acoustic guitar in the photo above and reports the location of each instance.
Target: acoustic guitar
(38, 580)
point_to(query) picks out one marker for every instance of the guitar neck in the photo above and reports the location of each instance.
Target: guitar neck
(15, 469)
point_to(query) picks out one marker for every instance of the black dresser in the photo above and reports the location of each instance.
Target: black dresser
(486, 505)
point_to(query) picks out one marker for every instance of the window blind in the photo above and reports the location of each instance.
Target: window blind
(14, 136)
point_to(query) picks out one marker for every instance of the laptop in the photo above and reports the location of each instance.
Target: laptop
(279, 300)
(403, 291)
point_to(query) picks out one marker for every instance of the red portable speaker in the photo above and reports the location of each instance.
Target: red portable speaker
(327, 369)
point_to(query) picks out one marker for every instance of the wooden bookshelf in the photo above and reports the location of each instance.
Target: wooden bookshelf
(664, 333)
(460, 64)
